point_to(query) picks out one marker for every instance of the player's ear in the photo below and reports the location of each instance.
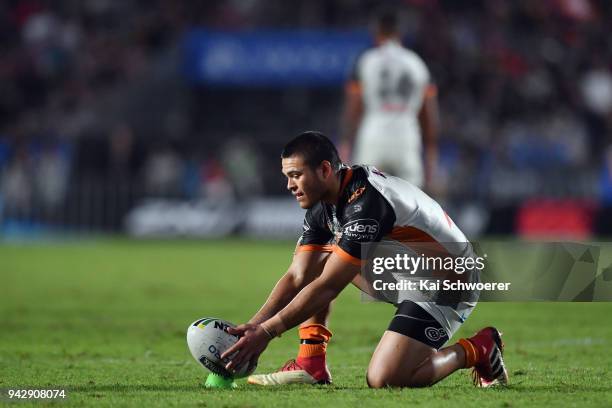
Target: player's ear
(326, 169)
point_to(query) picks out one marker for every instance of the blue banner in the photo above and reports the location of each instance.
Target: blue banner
(271, 58)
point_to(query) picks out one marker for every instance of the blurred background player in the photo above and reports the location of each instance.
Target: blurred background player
(390, 105)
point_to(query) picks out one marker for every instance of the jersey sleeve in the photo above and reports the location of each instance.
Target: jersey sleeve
(316, 236)
(367, 217)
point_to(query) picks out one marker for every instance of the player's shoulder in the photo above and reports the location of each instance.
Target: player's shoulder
(355, 177)
(366, 53)
(362, 174)
(359, 61)
(359, 188)
(363, 211)
(371, 55)
(414, 59)
(393, 189)
(394, 53)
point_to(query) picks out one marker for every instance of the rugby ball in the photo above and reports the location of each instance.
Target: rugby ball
(208, 339)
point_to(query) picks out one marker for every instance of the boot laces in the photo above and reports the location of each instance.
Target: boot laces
(291, 365)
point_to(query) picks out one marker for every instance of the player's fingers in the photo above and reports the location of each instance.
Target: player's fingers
(244, 360)
(240, 329)
(236, 361)
(233, 349)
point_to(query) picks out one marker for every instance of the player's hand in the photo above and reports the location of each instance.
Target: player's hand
(252, 343)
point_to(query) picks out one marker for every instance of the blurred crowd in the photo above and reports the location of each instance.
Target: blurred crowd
(525, 91)
(526, 86)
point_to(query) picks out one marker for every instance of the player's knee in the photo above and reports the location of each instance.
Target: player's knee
(299, 278)
(375, 380)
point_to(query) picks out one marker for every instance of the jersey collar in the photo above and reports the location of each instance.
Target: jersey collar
(347, 175)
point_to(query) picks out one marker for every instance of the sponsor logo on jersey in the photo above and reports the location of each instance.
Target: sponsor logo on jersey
(356, 194)
(363, 229)
(434, 334)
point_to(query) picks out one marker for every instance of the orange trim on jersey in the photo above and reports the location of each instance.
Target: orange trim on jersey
(353, 88)
(431, 91)
(315, 247)
(347, 177)
(346, 256)
(410, 234)
(407, 235)
(314, 332)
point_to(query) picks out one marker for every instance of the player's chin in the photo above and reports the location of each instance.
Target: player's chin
(305, 203)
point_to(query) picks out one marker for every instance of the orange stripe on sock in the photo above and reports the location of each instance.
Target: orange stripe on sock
(471, 354)
(315, 332)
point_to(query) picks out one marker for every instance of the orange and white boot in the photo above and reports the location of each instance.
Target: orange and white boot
(309, 367)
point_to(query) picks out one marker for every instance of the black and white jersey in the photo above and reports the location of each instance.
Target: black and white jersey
(374, 206)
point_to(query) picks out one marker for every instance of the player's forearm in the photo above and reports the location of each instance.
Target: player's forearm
(310, 300)
(351, 118)
(350, 123)
(284, 291)
(431, 164)
(428, 119)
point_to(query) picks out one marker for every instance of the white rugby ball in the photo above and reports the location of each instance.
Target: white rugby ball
(207, 339)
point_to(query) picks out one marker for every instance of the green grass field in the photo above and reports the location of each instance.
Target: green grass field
(107, 320)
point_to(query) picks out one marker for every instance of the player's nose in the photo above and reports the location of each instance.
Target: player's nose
(291, 185)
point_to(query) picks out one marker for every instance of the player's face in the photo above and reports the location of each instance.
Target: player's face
(306, 184)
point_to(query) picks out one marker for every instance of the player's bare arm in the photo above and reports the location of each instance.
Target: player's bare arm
(429, 121)
(304, 268)
(336, 275)
(351, 117)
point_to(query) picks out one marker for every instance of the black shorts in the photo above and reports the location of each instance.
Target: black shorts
(413, 321)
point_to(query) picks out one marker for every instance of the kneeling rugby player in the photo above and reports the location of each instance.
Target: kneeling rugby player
(327, 258)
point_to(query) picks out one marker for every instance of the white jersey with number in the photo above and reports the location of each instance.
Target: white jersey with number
(393, 81)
